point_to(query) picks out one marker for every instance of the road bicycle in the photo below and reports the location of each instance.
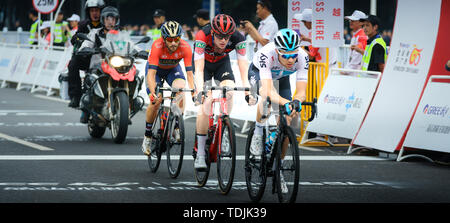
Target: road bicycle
(221, 143)
(274, 161)
(168, 133)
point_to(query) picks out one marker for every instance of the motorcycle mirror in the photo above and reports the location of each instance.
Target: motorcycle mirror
(144, 40)
(86, 51)
(83, 36)
(143, 55)
(104, 50)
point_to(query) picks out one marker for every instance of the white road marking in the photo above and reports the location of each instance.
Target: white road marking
(51, 98)
(40, 114)
(186, 157)
(25, 143)
(310, 149)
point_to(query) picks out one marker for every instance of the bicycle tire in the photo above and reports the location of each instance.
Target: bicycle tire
(226, 156)
(155, 157)
(173, 167)
(292, 155)
(201, 176)
(255, 191)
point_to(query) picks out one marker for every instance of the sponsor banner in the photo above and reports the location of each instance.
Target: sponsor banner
(328, 23)
(342, 104)
(50, 69)
(430, 128)
(18, 66)
(296, 7)
(32, 68)
(7, 57)
(404, 76)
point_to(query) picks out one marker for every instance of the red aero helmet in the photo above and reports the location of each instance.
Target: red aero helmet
(223, 24)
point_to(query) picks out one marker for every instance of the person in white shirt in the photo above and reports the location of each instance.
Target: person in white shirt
(268, 26)
(358, 42)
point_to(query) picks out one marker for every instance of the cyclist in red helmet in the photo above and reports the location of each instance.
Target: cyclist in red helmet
(211, 60)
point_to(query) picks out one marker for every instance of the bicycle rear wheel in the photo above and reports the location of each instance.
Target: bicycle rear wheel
(175, 146)
(287, 168)
(255, 171)
(226, 157)
(155, 157)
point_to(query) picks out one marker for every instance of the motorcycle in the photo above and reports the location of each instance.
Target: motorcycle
(111, 85)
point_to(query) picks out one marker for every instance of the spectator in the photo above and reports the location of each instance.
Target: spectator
(316, 53)
(45, 33)
(33, 39)
(202, 17)
(135, 30)
(60, 30)
(447, 66)
(268, 26)
(159, 17)
(375, 55)
(347, 36)
(73, 22)
(195, 30)
(387, 37)
(18, 27)
(144, 30)
(358, 42)
(187, 32)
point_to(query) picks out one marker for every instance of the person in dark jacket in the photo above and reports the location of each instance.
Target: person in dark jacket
(93, 9)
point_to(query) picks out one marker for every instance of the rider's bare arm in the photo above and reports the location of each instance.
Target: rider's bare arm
(199, 63)
(242, 64)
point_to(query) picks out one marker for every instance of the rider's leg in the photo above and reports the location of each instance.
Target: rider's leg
(180, 97)
(285, 92)
(229, 83)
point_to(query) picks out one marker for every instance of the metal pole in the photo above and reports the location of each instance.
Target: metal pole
(212, 9)
(39, 30)
(373, 7)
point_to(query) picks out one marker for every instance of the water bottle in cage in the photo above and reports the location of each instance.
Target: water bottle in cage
(269, 141)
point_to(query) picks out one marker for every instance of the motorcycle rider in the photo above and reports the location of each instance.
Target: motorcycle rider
(110, 19)
(77, 63)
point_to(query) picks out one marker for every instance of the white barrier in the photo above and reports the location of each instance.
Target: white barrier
(343, 102)
(430, 128)
(404, 76)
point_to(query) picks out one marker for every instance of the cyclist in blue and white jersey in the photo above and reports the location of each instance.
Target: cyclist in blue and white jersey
(269, 73)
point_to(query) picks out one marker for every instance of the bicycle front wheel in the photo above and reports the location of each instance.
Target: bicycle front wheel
(226, 157)
(287, 167)
(175, 146)
(255, 171)
(155, 157)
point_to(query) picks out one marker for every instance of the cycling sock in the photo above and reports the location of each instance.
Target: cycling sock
(201, 142)
(258, 128)
(148, 129)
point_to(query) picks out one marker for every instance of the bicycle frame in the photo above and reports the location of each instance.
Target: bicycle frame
(217, 137)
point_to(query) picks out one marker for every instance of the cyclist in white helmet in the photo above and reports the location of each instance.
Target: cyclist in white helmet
(269, 74)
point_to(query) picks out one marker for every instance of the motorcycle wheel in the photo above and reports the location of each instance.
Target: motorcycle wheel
(119, 124)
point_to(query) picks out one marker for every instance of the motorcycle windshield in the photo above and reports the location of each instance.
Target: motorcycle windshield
(119, 43)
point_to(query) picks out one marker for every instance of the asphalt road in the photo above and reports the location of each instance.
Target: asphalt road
(63, 164)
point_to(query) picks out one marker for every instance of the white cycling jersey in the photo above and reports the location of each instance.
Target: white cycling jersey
(266, 60)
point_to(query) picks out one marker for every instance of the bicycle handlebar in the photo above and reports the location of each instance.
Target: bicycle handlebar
(312, 104)
(173, 90)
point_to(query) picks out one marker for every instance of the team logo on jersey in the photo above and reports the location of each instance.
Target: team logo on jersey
(241, 48)
(262, 60)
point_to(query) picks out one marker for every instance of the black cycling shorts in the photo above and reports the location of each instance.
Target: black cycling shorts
(220, 70)
(282, 85)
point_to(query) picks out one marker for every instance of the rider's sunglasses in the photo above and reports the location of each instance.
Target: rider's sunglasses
(173, 39)
(288, 56)
(221, 36)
